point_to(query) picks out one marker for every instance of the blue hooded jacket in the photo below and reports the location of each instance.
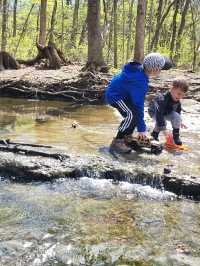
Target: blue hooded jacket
(130, 85)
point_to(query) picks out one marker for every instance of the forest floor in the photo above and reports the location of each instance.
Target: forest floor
(70, 83)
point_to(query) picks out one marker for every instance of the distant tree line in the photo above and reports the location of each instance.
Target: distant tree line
(100, 33)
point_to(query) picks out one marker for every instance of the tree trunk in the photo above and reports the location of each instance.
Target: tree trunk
(129, 29)
(105, 13)
(180, 31)
(174, 26)
(83, 32)
(53, 56)
(62, 27)
(75, 24)
(51, 53)
(37, 23)
(106, 24)
(95, 54)
(4, 26)
(14, 18)
(115, 33)
(7, 61)
(194, 40)
(53, 19)
(150, 26)
(157, 31)
(110, 36)
(140, 29)
(43, 11)
(123, 31)
(1, 62)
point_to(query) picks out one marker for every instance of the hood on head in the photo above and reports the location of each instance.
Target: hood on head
(131, 69)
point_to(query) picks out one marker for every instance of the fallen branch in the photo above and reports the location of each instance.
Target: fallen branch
(30, 152)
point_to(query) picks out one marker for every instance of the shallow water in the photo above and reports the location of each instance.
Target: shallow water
(51, 122)
(94, 217)
(88, 221)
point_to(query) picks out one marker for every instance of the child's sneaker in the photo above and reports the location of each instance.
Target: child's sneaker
(155, 134)
(176, 137)
(119, 146)
(128, 139)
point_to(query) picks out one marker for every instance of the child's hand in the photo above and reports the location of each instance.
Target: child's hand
(183, 126)
(142, 136)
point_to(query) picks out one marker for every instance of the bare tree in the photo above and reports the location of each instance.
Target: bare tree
(62, 27)
(53, 20)
(43, 11)
(115, 32)
(4, 26)
(130, 22)
(14, 18)
(140, 30)
(83, 32)
(158, 19)
(180, 30)
(174, 27)
(123, 30)
(95, 54)
(105, 13)
(195, 43)
(106, 24)
(150, 24)
(75, 23)
(110, 36)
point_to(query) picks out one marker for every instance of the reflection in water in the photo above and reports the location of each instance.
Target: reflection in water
(51, 123)
(7, 123)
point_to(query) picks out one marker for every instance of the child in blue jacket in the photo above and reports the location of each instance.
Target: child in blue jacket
(126, 92)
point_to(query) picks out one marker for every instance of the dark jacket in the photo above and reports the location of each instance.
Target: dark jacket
(130, 85)
(163, 105)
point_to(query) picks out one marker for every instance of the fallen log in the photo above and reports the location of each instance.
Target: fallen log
(9, 142)
(28, 149)
(55, 58)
